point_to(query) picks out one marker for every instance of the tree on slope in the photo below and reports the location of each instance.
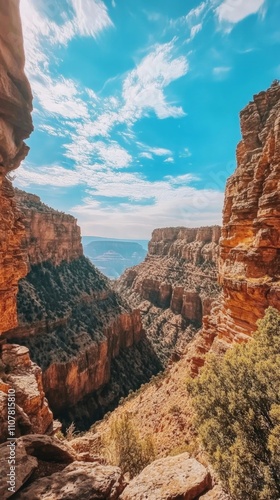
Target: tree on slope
(237, 404)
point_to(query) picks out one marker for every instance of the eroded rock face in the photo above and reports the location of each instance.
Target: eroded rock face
(24, 377)
(169, 478)
(175, 285)
(15, 126)
(49, 235)
(74, 324)
(249, 264)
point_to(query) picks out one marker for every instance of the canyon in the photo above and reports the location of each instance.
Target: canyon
(72, 345)
(175, 286)
(78, 330)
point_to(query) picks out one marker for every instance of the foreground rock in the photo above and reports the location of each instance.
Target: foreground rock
(169, 478)
(47, 448)
(25, 466)
(24, 378)
(215, 494)
(78, 481)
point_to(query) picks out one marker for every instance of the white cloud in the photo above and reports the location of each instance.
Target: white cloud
(169, 160)
(221, 72)
(186, 153)
(113, 155)
(196, 12)
(194, 30)
(169, 202)
(91, 17)
(59, 97)
(143, 87)
(233, 11)
(54, 175)
(160, 151)
(146, 155)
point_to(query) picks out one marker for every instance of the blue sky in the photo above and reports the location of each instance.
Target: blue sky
(136, 106)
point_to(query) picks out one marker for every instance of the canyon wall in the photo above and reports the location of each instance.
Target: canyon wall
(49, 235)
(76, 327)
(249, 261)
(175, 286)
(15, 126)
(249, 264)
(17, 372)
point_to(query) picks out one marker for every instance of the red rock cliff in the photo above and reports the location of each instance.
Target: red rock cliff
(15, 126)
(249, 262)
(17, 372)
(74, 324)
(50, 235)
(175, 285)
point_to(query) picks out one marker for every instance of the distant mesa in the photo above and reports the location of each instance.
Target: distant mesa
(113, 257)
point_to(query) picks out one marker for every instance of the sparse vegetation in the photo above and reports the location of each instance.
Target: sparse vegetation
(237, 403)
(123, 446)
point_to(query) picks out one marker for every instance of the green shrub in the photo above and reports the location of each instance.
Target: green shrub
(237, 404)
(124, 447)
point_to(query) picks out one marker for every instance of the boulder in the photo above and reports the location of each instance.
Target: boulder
(25, 466)
(169, 478)
(47, 448)
(78, 481)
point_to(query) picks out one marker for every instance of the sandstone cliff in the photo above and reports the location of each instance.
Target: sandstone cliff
(79, 331)
(175, 286)
(49, 235)
(15, 126)
(17, 372)
(249, 262)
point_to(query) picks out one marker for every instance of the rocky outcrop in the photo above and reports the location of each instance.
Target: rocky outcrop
(15, 126)
(21, 379)
(169, 479)
(175, 285)
(49, 235)
(78, 481)
(249, 262)
(15, 474)
(12, 258)
(18, 373)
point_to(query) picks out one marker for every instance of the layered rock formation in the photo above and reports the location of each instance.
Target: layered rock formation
(249, 265)
(15, 126)
(49, 235)
(17, 372)
(249, 262)
(79, 331)
(175, 285)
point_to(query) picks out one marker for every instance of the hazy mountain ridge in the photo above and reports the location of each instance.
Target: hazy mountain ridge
(112, 257)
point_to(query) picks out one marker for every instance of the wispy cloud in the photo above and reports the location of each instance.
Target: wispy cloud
(233, 11)
(196, 12)
(160, 151)
(169, 160)
(146, 204)
(221, 72)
